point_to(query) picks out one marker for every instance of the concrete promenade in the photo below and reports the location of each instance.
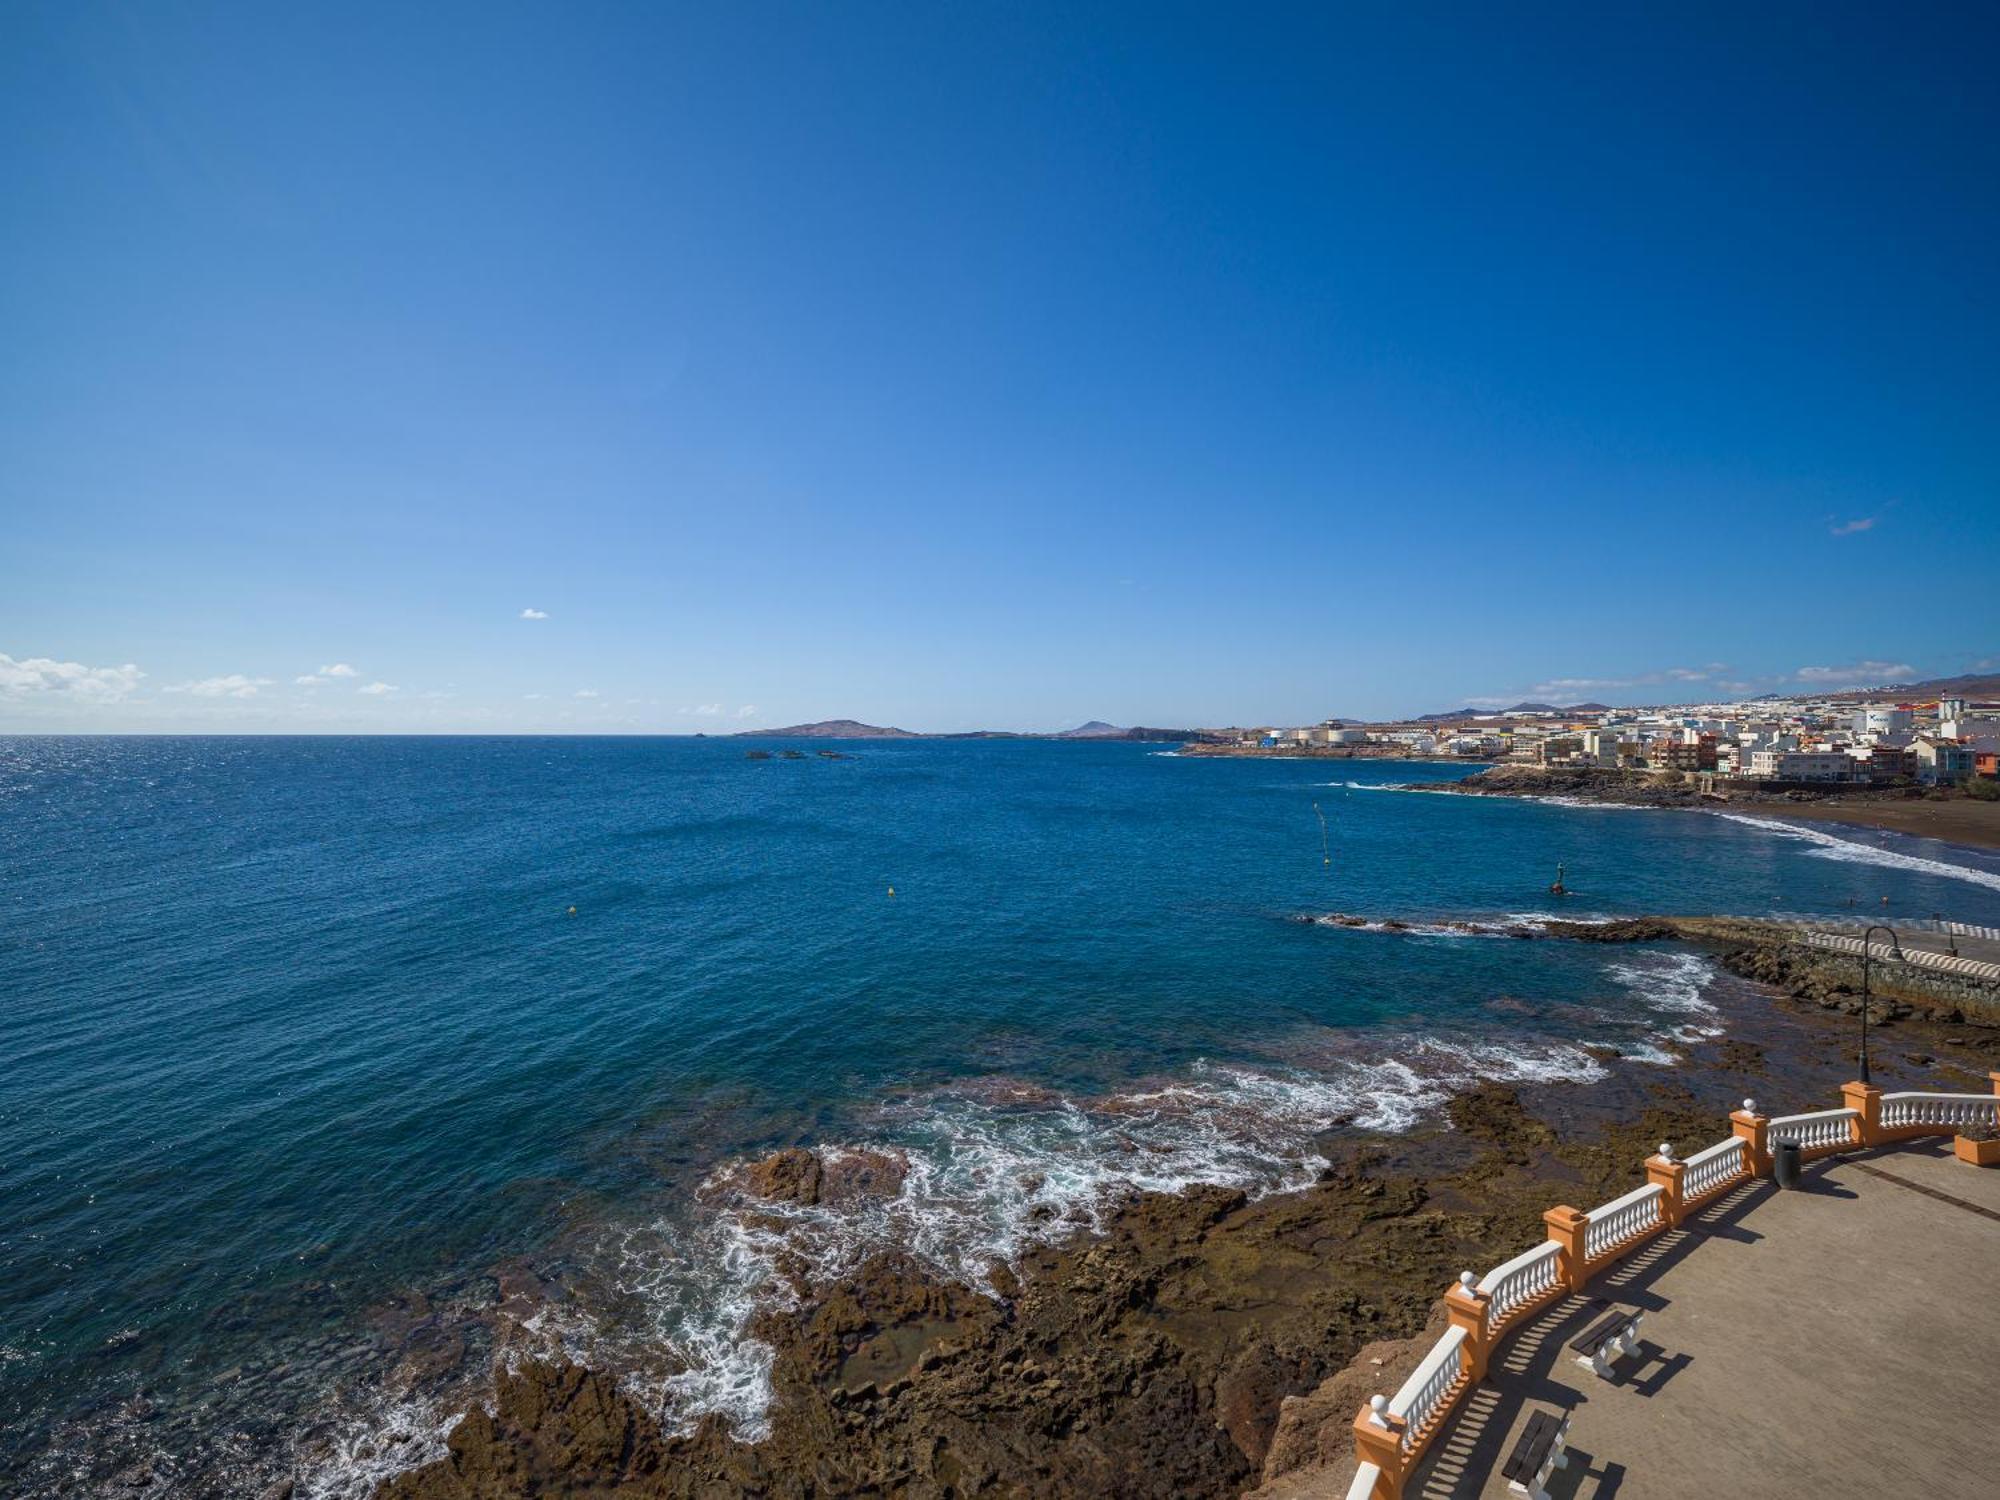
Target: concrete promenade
(1839, 1339)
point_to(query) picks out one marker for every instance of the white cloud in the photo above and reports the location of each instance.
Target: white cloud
(379, 689)
(1849, 528)
(706, 710)
(533, 697)
(747, 711)
(586, 692)
(325, 675)
(1859, 674)
(1570, 687)
(235, 685)
(534, 614)
(40, 674)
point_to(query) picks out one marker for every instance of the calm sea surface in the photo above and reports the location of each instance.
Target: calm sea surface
(301, 1044)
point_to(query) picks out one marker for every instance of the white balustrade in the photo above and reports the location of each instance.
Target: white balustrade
(1711, 1168)
(1884, 952)
(1822, 1130)
(1422, 1396)
(1620, 1220)
(1952, 1111)
(1520, 1281)
(1363, 1486)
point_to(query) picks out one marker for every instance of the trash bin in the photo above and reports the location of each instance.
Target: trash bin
(1785, 1161)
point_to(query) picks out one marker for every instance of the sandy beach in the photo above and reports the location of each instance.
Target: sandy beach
(1958, 821)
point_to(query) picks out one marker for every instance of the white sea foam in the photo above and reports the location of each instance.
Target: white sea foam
(991, 1168)
(1866, 854)
(1673, 983)
(387, 1436)
(1410, 929)
(1552, 799)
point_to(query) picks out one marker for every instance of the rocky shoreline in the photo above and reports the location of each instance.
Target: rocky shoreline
(1206, 1343)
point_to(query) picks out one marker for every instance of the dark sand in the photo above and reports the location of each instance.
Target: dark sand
(1960, 820)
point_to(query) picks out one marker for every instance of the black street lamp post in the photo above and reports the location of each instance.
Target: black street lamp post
(1895, 947)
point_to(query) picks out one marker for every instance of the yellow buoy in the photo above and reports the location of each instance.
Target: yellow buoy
(892, 890)
(572, 911)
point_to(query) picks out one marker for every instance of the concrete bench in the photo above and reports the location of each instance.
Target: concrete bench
(1537, 1454)
(1610, 1338)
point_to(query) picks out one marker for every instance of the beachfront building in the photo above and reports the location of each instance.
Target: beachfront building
(1941, 761)
(1680, 755)
(1801, 765)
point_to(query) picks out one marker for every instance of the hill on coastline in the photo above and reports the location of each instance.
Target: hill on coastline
(832, 729)
(1966, 685)
(854, 729)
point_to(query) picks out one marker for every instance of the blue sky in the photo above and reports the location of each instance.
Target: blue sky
(963, 366)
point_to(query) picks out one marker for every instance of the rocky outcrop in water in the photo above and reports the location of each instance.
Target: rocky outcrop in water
(1164, 1358)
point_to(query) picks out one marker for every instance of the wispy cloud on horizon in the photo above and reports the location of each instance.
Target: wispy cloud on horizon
(235, 685)
(380, 689)
(534, 614)
(1857, 674)
(325, 675)
(1849, 528)
(21, 678)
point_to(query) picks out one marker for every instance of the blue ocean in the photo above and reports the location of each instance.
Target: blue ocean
(306, 1044)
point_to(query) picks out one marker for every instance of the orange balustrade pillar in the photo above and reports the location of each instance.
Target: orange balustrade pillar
(1754, 1131)
(1995, 1078)
(1664, 1172)
(1566, 1226)
(1866, 1102)
(1467, 1307)
(1378, 1440)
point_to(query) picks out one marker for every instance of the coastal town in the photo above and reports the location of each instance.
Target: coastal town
(1768, 743)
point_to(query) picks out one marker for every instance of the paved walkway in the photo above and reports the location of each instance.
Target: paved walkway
(1840, 1339)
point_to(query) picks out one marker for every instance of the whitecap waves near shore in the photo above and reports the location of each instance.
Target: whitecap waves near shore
(1672, 984)
(1831, 847)
(990, 1168)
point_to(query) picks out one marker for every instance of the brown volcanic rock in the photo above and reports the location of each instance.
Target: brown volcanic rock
(1316, 1430)
(1202, 1344)
(793, 1175)
(850, 1175)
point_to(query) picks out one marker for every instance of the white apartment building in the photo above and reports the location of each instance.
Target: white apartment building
(1802, 765)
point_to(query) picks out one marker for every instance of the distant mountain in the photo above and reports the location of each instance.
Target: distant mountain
(1096, 729)
(831, 729)
(1965, 685)
(1518, 708)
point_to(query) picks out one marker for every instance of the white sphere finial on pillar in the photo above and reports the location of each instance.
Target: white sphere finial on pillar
(1666, 1150)
(1749, 1106)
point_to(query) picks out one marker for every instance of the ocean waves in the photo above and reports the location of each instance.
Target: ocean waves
(970, 1176)
(1851, 852)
